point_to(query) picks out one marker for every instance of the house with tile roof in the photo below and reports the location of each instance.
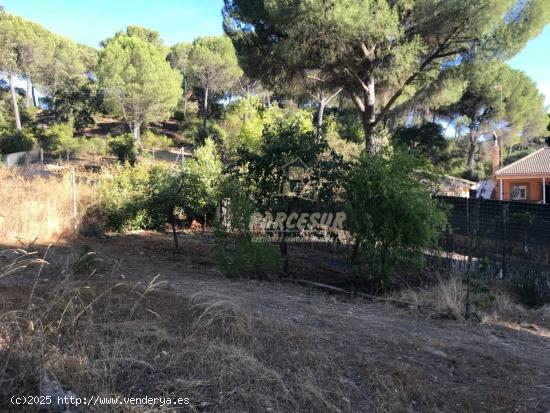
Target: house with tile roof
(526, 180)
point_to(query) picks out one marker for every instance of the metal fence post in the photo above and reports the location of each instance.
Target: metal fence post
(75, 212)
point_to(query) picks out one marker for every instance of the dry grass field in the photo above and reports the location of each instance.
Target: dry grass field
(36, 208)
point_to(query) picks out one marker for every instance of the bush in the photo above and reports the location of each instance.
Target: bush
(236, 253)
(532, 288)
(140, 197)
(391, 213)
(11, 141)
(59, 139)
(29, 115)
(94, 146)
(123, 147)
(150, 140)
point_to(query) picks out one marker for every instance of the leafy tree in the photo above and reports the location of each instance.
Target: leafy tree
(8, 62)
(147, 35)
(78, 99)
(137, 81)
(214, 67)
(179, 60)
(391, 212)
(207, 170)
(68, 62)
(285, 141)
(426, 140)
(496, 97)
(380, 52)
(149, 196)
(243, 123)
(12, 141)
(124, 147)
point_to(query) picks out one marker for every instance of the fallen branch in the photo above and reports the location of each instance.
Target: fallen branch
(337, 290)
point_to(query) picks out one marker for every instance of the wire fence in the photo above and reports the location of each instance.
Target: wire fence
(512, 239)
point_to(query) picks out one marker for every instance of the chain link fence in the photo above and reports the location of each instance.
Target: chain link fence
(513, 239)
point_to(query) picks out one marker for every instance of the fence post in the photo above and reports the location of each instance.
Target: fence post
(75, 212)
(153, 153)
(41, 158)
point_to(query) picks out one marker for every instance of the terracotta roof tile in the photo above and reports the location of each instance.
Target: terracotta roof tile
(535, 163)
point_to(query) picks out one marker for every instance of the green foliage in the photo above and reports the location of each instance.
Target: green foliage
(137, 81)
(236, 253)
(391, 213)
(59, 138)
(383, 53)
(11, 141)
(140, 197)
(28, 116)
(213, 63)
(348, 125)
(478, 294)
(77, 100)
(285, 141)
(151, 140)
(214, 69)
(123, 147)
(146, 195)
(243, 124)
(96, 146)
(206, 169)
(426, 140)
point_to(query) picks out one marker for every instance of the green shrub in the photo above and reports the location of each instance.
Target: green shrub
(391, 213)
(29, 115)
(123, 147)
(150, 140)
(206, 168)
(59, 138)
(236, 253)
(140, 197)
(11, 141)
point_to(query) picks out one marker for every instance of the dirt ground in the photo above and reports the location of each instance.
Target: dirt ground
(394, 359)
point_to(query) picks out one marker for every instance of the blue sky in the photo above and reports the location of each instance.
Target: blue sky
(89, 22)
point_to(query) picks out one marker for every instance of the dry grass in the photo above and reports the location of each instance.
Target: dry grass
(447, 296)
(38, 208)
(114, 339)
(118, 339)
(447, 299)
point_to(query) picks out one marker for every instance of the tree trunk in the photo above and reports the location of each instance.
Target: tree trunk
(205, 111)
(14, 103)
(34, 102)
(185, 96)
(28, 96)
(369, 117)
(320, 115)
(137, 132)
(471, 148)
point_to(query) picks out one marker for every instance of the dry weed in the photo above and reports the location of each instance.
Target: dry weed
(99, 338)
(37, 208)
